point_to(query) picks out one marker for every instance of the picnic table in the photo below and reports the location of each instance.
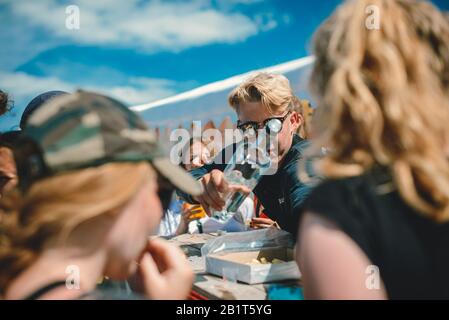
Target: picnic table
(207, 286)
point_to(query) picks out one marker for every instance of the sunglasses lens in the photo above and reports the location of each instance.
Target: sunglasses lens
(274, 126)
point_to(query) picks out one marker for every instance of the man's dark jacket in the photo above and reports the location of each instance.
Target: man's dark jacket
(281, 194)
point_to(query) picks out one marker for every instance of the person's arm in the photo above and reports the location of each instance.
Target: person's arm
(332, 265)
(186, 218)
(219, 163)
(197, 174)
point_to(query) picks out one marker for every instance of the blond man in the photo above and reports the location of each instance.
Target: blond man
(258, 100)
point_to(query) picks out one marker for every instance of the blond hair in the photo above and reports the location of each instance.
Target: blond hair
(54, 207)
(382, 98)
(304, 108)
(272, 90)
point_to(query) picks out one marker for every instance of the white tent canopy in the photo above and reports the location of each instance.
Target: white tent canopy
(209, 102)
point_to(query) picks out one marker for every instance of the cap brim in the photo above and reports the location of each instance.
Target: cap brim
(177, 176)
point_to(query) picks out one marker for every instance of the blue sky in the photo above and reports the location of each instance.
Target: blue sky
(141, 51)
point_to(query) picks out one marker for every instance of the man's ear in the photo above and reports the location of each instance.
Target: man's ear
(296, 120)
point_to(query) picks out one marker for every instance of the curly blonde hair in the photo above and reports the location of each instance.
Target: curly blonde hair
(383, 98)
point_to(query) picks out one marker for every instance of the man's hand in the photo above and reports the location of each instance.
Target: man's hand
(216, 188)
(261, 223)
(163, 273)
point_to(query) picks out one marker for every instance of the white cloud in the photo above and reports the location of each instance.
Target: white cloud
(151, 26)
(234, 2)
(266, 21)
(23, 87)
(141, 89)
(20, 84)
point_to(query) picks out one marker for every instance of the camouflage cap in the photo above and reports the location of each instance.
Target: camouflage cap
(86, 129)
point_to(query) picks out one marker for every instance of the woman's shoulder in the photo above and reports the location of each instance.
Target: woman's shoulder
(347, 198)
(335, 189)
(350, 203)
(375, 181)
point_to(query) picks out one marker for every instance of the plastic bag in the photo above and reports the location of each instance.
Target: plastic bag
(249, 241)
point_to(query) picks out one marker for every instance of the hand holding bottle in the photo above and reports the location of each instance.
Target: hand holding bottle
(216, 191)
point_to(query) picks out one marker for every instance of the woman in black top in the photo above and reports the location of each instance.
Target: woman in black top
(377, 225)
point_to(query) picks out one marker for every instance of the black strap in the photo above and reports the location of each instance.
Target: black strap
(200, 226)
(40, 292)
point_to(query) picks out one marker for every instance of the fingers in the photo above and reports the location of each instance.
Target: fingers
(215, 185)
(166, 255)
(194, 209)
(206, 199)
(240, 188)
(261, 226)
(162, 268)
(195, 213)
(263, 220)
(218, 180)
(148, 271)
(215, 190)
(203, 203)
(261, 223)
(211, 197)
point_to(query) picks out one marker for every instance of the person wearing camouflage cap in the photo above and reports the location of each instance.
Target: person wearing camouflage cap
(85, 129)
(89, 200)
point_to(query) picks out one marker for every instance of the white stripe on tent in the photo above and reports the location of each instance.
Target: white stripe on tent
(225, 84)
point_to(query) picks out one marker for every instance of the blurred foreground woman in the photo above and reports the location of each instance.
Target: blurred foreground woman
(93, 186)
(377, 226)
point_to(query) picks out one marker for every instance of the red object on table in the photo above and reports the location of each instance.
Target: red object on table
(196, 296)
(263, 215)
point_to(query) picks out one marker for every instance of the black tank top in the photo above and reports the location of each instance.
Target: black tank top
(40, 292)
(410, 250)
(113, 293)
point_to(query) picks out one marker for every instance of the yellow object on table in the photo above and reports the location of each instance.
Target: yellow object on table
(198, 211)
